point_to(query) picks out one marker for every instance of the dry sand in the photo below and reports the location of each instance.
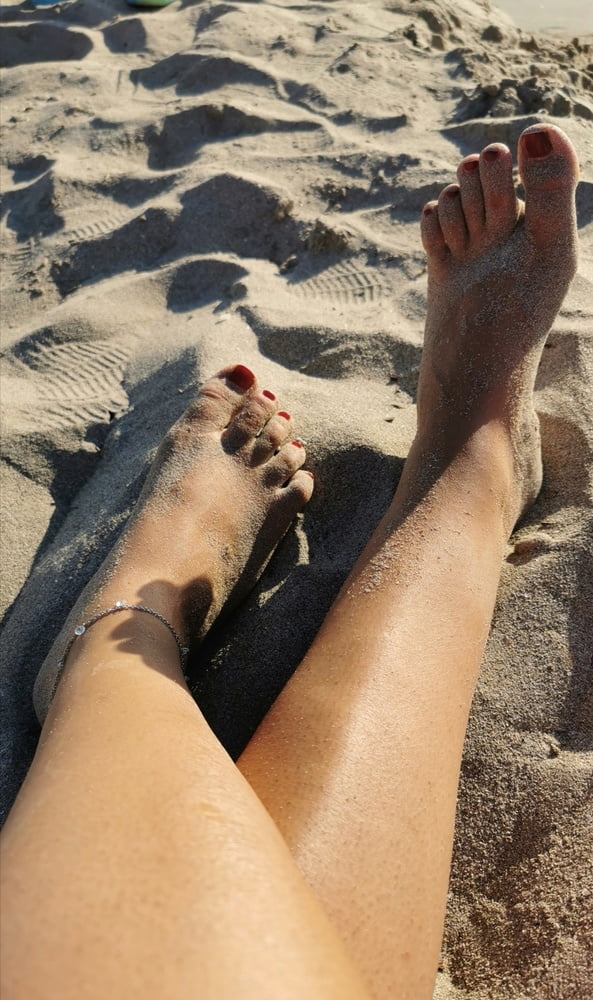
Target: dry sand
(560, 17)
(231, 181)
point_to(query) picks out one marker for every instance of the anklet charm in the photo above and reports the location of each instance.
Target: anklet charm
(119, 606)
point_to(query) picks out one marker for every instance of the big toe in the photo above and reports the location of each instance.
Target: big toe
(220, 397)
(549, 169)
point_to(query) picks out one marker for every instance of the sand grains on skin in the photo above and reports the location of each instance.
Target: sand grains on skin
(499, 270)
(103, 242)
(223, 489)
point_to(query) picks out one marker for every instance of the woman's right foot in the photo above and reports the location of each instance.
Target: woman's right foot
(498, 271)
(224, 487)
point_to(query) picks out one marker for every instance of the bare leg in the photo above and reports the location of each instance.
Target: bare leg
(358, 760)
(137, 862)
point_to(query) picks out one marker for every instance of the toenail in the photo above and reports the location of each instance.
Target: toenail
(429, 209)
(297, 443)
(283, 413)
(242, 377)
(268, 394)
(490, 155)
(538, 144)
(307, 473)
(452, 192)
(470, 165)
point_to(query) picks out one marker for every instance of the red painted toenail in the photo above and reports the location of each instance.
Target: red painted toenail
(283, 413)
(307, 473)
(470, 165)
(452, 193)
(297, 444)
(268, 394)
(538, 144)
(242, 377)
(490, 155)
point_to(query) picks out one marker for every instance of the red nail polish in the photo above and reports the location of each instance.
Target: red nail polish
(452, 193)
(242, 377)
(537, 144)
(490, 155)
(470, 165)
(297, 444)
(283, 413)
(268, 394)
(307, 473)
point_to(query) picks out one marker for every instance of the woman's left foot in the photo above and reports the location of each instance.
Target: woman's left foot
(498, 271)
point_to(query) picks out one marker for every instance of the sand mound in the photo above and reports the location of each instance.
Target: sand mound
(241, 181)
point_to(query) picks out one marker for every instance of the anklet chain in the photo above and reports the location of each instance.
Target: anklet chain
(119, 606)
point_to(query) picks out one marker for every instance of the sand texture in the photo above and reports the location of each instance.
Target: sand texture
(241, 181)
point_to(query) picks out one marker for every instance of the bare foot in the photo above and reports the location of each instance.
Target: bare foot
(498, 271)
(224, 487)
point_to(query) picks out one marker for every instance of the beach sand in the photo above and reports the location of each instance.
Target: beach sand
(241, 181)
(560, 17)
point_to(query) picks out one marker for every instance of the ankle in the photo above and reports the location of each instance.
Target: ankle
(477, 460)
(130, 577)
(129, 638)
(476, 444)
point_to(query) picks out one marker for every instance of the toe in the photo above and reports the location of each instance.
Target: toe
(249, 420)
(282, 467)
(433, 240)
(549, 171)
(452, 220)
(500, 201)
(297, 492)
(239, 376)
(472, 200)
(220, 397)
(276, 432)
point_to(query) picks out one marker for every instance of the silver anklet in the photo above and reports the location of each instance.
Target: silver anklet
(120, 606)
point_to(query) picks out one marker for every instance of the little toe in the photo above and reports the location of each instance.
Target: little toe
(501, 207)
(282, 467)
(549, 171)
(296, 493)
(276, 432)
(452, 220)
(472, 199)
(249, 420)
(433, 240)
